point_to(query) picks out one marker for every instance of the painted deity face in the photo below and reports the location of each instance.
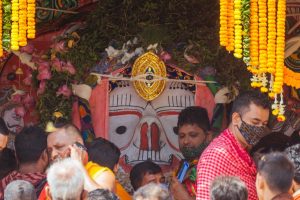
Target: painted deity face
(146, 130)
(14, 122)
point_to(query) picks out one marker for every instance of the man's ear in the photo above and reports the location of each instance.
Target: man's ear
(260, 182)
(84, 195)
(44, 156)
(116, 167)
(235, 119)
(209, 136)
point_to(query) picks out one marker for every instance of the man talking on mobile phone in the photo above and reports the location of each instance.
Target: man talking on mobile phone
(194, 135)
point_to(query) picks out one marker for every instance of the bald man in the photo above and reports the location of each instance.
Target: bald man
(58, 141)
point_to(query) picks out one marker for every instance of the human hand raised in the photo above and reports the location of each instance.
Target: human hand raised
(178, 191)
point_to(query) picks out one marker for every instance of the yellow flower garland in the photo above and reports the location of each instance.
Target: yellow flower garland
(22, 22)
(280, 46)
(1, 47)
(230, 26)
(262, 13)
(223, 23)
(267, 43)
(237, 29)
(271, 36)
(15, 25)
(253, 36)
(31, 19)
(291, 78)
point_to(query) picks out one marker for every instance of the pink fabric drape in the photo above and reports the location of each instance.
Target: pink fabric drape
(204, 98)
(99, 108)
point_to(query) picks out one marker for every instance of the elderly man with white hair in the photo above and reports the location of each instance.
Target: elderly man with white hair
(66, 180)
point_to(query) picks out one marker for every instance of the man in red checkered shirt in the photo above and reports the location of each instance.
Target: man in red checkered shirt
(228, 153)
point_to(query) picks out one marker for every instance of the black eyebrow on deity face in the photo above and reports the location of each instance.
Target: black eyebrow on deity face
(120, 100)
(176, 102)
(125, 101)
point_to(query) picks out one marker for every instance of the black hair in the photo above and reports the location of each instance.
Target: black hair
(104, 153)
(242, 102)
(275, 141)
(8, 162)
(194, 115)
(277, 170)
(138, 172)
(228, 188)
(293, 154)
(3, 128)
(30, 144)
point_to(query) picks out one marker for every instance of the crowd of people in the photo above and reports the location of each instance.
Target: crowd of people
(245, 161)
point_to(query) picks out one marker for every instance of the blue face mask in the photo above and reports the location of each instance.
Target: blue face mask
(252, 134)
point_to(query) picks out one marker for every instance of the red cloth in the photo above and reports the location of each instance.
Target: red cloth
(204, 98)
(33, 178)
(225, 156)
(99, 108)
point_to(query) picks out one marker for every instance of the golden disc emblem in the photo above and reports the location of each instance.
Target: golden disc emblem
(151, 73)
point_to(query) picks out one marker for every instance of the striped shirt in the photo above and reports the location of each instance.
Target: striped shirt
(33, 178)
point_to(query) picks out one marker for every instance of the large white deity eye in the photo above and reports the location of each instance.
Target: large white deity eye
(122, 126)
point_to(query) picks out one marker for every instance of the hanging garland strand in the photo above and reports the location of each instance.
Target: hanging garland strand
(15, 25)
(230, 26)
(262, 25)
(238, 31)
(271, 48)
(246, 31)
(253, 36)
(22, 22)
(271, 36)
(223, 23)
(280, 45)
(261, 43)
(31, 19)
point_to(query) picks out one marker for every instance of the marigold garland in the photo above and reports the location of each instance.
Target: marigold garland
(253, 36)
(230, 26)
(238, 31)
(31, 19)
(291, 78)
(280, 46)
(271, 36)
(22, 22)
(266, 32)
(262, 25)
(15, 25)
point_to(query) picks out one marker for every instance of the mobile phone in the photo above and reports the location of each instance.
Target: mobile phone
(182, 171)
(80, 146)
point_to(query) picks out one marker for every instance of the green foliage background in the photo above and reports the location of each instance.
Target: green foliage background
(168, 22)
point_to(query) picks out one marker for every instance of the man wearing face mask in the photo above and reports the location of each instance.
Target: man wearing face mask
(228, 154)
(193, 137)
